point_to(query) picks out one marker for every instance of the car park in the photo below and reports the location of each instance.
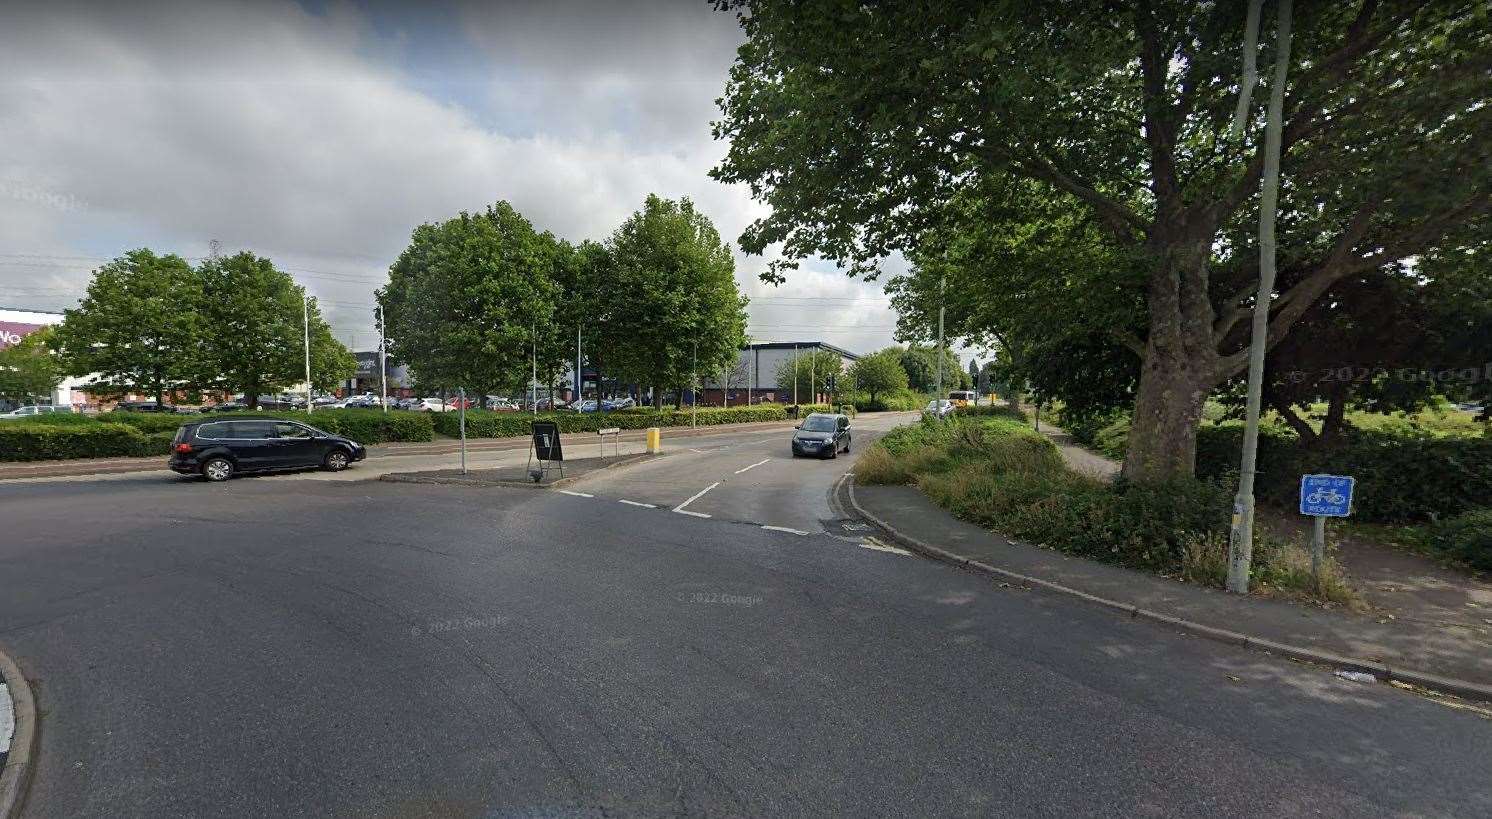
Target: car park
(33, 411)
(938, 408)
(219, 449)
(227, 406)
(625, 402)
(822, 434)
(430, 405)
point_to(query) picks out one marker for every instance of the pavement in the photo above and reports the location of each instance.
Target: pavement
(285, 646)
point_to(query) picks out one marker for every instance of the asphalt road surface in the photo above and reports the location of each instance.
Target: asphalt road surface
(282, 646)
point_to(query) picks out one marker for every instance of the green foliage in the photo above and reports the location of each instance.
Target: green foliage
(466, 301)
(29, 369)
(1113, 439)
(1399, 478)
(1466, 538)
(485, 424)
(257, 323)
(810, 368)
(138, 328)
(921, 364)
(877, 374)
(27, 441)
(897, 401)
(671, 303)
(994, 410)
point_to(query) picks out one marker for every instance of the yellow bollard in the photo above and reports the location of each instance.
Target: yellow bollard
(655, 440)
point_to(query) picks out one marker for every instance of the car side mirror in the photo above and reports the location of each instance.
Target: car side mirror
(799, 426)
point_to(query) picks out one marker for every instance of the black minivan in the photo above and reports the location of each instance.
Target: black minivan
(217, 450)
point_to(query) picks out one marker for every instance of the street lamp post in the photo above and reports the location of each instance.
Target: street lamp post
(305, 314)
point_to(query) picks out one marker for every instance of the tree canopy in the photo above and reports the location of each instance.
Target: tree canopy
(29, 369)
(879, 372)
(859, 124)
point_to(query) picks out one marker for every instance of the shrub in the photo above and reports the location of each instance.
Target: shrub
(1084, 426)
(485, 424)
(1113, 440)
(148, 421)
(27, 441)
(898, 401)
(995, 410)
(1400, 478)
(1466, 538)
(1277, 565)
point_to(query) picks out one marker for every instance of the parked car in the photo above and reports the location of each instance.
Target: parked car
(501, 405)
(218, 449)
(938, 408)
(143, 406)
(455, 403)
(625, 402)
(227, 406)
(822, 434)
(430, 405)
(588, 405)
(33, 411)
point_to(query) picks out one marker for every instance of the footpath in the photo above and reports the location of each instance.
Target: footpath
(1426, 625)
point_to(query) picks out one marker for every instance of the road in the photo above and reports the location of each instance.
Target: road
(288, 646)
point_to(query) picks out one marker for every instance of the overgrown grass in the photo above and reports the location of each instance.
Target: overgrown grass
(1000, 474)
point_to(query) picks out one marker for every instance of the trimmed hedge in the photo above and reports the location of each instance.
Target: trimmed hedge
(28, 441)
(1400, 479)
(993, 410)
(486, 424)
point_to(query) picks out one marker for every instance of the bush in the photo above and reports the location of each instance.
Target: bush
(1085, 426)
(1466, 538)
(148, 421)
(994, 410)
(898, 401)
(1113, 440)
(27, 441)
(485, 424)
(1400, 478)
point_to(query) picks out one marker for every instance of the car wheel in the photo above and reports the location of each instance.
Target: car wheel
(217, 469)
(336, 460)
(846, 446)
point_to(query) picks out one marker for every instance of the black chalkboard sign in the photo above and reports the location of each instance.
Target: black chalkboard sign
(547, 441)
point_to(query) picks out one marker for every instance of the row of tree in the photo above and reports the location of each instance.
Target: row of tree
(159, 326)
(1077, 179)
(486, 302)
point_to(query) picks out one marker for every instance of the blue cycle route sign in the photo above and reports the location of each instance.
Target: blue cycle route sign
(1326, 495)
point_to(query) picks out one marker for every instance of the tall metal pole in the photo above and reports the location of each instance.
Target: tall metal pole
(462, 397)
(305, 314)
(383, 364)
(795, 377)
(694, 389)
(533, 380)
(579, 379)
(813, 392)
(941, 354)
(1241, 537)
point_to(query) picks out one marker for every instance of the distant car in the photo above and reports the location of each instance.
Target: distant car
(33, 411)
(625, 402)
(822, 434)
(938, 408)
(501, 405)
(588, 405)
(455, 403)
(430, 405)
(143, 406)
(218, 450)
(227, 406)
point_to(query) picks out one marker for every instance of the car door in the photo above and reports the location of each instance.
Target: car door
(295, 445)
(254, 444)
(842, 433)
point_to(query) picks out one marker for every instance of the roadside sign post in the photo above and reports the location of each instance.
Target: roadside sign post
(462, 399)
(1324, 496)
(544, 445)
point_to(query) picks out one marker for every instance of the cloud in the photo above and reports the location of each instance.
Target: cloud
(322, 138)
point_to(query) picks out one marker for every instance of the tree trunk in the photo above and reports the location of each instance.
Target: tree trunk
(251, 396)
(1336, 418)
(1163, 434)
(657, 398)
(1308, 436)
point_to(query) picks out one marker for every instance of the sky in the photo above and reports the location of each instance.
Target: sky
(320, 134)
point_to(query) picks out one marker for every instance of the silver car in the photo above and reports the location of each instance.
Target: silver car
(939, 408)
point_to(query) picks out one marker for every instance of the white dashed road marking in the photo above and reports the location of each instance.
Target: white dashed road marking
(7, 719)
(784, 529)
(692, 499)
(575, 494)
(637, 503)
(753, 466)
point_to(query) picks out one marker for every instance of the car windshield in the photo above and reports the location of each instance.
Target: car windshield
(818, 423)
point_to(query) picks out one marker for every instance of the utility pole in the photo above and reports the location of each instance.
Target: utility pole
(533, 380)
(795, 377)
(813, 391)
(579, 394)
(1241, 537)
(383, 364)
(305, 314)
(694, 389)
(940, 355)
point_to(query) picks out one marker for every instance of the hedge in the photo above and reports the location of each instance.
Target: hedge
(485, 424)
(28, 441)
(993, 410)
(1400, 479)
(1466, 538)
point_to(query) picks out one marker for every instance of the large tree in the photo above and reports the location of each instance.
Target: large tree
(810, 368)
(858, 122)
(138, 329)
(879, 373)
(30, 369)
(257, 318)
(672, 305)
(471, 297)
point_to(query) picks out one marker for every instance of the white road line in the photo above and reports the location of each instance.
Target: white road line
(696, 496)
(753, 466)
(637, 503)
(575, 494)
(877, 546)
(691, 514)
(7, 719)
(784, 529)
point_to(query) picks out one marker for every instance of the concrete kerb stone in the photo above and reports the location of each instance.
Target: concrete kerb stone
(1384, 672)
(16, 776)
